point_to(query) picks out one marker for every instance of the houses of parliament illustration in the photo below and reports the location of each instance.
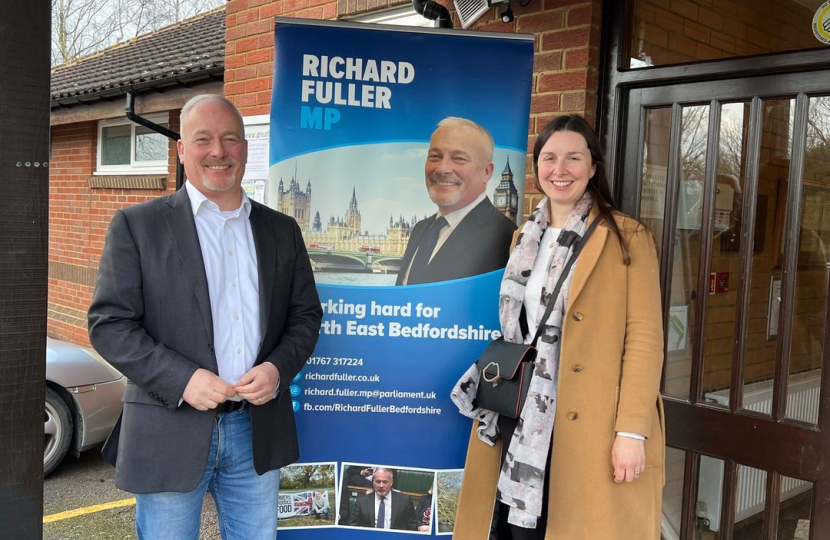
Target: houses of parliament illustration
(345, 234)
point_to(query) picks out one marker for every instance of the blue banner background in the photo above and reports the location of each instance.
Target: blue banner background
(486, 78)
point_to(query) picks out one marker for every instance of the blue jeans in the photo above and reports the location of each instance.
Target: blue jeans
(246, 503)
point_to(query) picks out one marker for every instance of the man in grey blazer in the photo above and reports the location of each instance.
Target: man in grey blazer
(467, 236)
(206, 301)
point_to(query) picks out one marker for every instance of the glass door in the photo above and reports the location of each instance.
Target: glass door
(733, 179)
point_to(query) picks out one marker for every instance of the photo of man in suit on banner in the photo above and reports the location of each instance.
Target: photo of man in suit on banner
(468, 235)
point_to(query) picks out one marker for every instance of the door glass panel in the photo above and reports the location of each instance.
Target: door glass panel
(709, 498)
(725, 261)
(685, 264)
(673, 492)
(750, 500)
(765, 278)
(655, 171)
(663, 33)
(794, 512)
(810, 308)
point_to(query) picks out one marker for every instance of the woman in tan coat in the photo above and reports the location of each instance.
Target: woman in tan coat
(584, 461)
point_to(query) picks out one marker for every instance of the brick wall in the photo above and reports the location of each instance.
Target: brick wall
(565, 60)
(78, 220)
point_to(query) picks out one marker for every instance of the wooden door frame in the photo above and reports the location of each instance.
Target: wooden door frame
(775, 444)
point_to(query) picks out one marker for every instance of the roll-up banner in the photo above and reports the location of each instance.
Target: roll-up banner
(356, 159)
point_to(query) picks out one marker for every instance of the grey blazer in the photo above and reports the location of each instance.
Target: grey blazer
(150, 318)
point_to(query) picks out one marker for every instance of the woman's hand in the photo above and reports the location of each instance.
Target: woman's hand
(628, 456)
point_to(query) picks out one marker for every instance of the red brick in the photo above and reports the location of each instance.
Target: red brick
(295, 5)
(247, 44)
(247, 16)
(263, 98)
(234, 88)
(256, 3)
(233, 61)
(247, 72)
(234, 33)
(259, 27)
(547, 61)
(271, 10)
(265, 41)
(255, 111)
(555, 4)
(234, 6)
(265, 69)
(574, 101)
(311, 13)
(566, 39)
(553, 82)
(244, 100)
(497, 26)
(260, 55)
(577, 58)
(581, 16)
(541, 22)
(544, 103)
(255, 85)
(330, 11)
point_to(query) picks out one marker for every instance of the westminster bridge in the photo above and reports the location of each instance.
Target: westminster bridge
(332, 260)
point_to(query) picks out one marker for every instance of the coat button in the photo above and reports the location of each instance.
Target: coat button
(577, 368)
(572, 415)
(578, 316)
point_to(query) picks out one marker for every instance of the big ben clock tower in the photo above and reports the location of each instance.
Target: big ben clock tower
(507, 196)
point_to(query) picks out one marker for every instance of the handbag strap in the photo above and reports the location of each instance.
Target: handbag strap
(562, 277)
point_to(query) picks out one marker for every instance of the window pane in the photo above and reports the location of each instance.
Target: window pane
(149, 145)
(663, 33)
(750, 501)
(686, 260)
(796, 506)
(809, 315)
(115, 145)
(725, 258)
(764, 302)
(673, 491)
(709, 497)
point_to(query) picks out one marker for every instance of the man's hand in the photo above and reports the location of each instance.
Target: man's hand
(205, 390)
(259, 385)
(628, 457)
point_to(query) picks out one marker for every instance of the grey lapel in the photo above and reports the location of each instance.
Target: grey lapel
(182, 229)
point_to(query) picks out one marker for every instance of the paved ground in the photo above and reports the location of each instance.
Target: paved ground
(84, 484)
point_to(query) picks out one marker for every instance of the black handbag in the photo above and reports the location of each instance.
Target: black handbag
(506, 368)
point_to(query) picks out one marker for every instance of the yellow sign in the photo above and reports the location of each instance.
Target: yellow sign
(821, 23)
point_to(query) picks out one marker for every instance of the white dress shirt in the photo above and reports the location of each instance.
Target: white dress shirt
(533, 292)
(387, 510)
(229, 254)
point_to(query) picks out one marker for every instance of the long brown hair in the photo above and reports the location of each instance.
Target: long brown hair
(598, 183)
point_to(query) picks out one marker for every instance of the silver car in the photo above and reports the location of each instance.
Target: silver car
(83, 400)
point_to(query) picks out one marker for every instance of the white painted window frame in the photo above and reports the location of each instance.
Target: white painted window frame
(133, 168)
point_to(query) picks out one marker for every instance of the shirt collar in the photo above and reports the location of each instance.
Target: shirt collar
(198, 199)
(454, 218)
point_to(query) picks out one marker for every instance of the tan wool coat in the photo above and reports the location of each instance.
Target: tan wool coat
(609, 377)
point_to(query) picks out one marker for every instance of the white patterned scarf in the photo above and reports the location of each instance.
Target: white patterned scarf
(522, 477)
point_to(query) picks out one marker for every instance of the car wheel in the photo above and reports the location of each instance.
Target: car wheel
(57, 428)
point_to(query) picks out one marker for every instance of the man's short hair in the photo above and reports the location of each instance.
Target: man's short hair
(455, 121)
(214, 98)
(389, 471)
